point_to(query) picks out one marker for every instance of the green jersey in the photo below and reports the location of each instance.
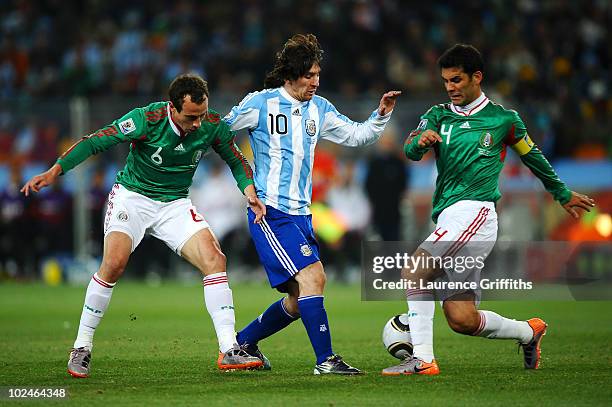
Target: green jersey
(162, 158)
(471, 155)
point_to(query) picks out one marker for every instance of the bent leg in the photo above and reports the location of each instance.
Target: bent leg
(278, 316)
(203, 251)
(461, 313)
(117, 250)
(464, 318)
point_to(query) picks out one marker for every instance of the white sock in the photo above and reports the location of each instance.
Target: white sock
(97, 297)
(420, 320)
(220, 306)
(494, 326)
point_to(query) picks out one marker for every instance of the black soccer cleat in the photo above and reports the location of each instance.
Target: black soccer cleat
(253, 350)
(335, 365)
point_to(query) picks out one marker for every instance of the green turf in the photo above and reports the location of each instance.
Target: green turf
(156, 346)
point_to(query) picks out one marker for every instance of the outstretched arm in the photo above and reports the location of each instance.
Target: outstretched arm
(129, 127)
(532, 157)
(339, 129)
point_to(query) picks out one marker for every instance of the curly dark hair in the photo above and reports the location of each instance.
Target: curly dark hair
(462, 56)
(187, 84)
(296, 58)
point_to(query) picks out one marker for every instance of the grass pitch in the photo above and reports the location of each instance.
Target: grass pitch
(156, 346)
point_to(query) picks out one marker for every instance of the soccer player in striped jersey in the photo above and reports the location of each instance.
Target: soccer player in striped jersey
(167, 140)
(285, 121)
(469, 137)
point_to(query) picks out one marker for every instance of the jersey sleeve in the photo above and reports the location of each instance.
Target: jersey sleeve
(518, 139)
(340, 129)
(411, 146)
(246, 114)
(130, 127)
(225, 146)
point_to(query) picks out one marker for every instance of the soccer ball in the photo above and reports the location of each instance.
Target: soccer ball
(396, 337)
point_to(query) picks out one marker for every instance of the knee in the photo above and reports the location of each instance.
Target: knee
(311, 280)
(319, 278)
(214, 262)
(316, 278)
(463, 323)
(112, 268)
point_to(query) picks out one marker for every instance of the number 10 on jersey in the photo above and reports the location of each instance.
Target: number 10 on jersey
(278, 123)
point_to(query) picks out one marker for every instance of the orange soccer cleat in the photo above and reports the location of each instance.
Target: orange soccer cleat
(413, 366)
(531, 350)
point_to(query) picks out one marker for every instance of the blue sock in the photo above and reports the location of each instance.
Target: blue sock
(314, 318)
(271, 321)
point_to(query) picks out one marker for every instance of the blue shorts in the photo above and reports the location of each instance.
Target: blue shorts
(285, 244)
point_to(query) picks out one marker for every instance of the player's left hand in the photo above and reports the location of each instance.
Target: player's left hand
(387, 102)
(257, 207)
(577, 202)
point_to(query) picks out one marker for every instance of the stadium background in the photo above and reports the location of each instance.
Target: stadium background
(69, 67)
(549, 60)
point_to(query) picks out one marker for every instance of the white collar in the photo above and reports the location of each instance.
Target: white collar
(472, 108)
(286, 95)
(174, 126)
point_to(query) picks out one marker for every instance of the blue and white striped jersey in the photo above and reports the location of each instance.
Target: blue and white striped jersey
(284, 132)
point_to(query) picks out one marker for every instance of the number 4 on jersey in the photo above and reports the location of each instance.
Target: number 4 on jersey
(446, 132)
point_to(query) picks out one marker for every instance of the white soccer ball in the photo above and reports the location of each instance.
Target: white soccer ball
(396, 337)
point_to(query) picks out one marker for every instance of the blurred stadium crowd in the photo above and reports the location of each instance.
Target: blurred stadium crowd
(550, 59)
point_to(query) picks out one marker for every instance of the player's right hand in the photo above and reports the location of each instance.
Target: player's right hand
(40, 181)
(429, 138)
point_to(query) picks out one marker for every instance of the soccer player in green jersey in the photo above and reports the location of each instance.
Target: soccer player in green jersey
(167, 140)
(469, 137)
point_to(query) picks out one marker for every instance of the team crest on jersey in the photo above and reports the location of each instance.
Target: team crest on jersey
(127, 126)
(486, 140)
(311, 127)
(306, 250)
(422, 124)
(123, 216)
(196, 157)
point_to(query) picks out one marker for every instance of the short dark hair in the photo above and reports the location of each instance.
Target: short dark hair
(298, 55)
(187, 84)
(464, 56)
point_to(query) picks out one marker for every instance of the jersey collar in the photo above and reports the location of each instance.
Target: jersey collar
(286, 95)
(175, 127)
(472, 108)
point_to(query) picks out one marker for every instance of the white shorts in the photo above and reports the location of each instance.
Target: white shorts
(136, 215)
(464, 237)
